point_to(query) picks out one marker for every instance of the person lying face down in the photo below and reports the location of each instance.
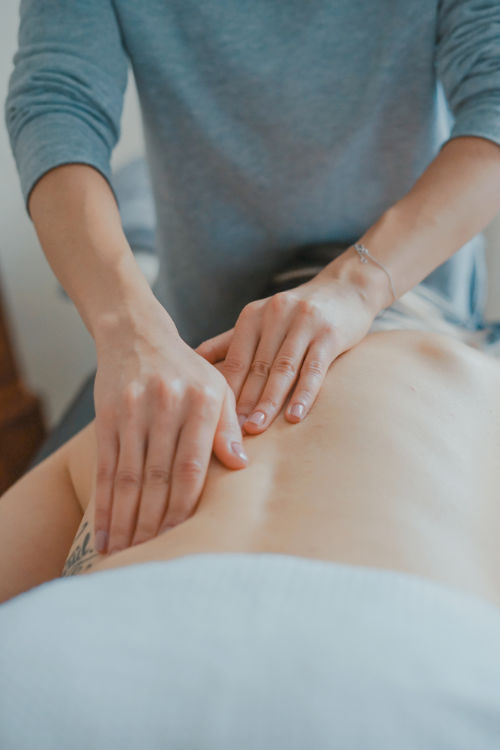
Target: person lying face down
(394, 468)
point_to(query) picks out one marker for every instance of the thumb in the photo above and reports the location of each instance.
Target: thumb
(228, 441)
(215, 349)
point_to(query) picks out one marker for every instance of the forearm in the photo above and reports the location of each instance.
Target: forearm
(454, 199)
(79, 227)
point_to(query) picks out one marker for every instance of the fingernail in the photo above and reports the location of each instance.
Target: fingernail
(101, 541)
(237, 449)
(258, 418)
(241, 419)
(297, 410)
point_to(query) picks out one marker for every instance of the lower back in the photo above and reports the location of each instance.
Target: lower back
(393, 468)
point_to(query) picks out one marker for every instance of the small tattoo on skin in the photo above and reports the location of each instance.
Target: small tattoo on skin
(82, 553)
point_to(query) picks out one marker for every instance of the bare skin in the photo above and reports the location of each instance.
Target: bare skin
(395, 467)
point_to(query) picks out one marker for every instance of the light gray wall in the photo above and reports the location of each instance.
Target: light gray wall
(54, 349)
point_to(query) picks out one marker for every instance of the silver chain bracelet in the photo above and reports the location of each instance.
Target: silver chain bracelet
(363, 252)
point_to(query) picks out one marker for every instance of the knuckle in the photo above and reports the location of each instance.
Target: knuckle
(176, 389)
(333, 333)
(285, 365)
(311, 310)
(131, 396)
(104, 475)
(247, 311)
(233, 365)
(260, 368)
(127, 479)
(314, 367)
(209, 395)
(204, 397)
(189, 469)
(157, 476)
(279, 301)
(306, 307)
(161, 392)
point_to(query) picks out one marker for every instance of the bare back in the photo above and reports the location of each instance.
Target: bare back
(395, 467)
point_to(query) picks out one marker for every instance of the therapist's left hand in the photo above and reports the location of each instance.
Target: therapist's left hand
(288, 341)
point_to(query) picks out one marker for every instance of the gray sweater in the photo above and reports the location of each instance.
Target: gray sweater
(269, 125)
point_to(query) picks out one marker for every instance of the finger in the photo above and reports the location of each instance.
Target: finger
(107, 457)
(215, 349)
(157, 478)
(191, 458)
(241, 349)
(274, 331)
(127, 486)
(318, 359)
(228, 441)
(283, 374)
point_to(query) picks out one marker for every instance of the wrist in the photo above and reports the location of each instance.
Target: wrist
(117, 299)
(368, 280)
(129, 308)
(145, 319)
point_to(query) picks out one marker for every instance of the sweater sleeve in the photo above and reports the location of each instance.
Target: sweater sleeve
(468, 65)
(66, 90)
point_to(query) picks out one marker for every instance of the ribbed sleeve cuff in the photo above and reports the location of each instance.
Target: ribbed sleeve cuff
(55, 138)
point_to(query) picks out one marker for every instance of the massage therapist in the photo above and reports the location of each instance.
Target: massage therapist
(268, 125)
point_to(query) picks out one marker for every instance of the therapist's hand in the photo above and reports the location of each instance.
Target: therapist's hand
(160, 410)
(288, 341)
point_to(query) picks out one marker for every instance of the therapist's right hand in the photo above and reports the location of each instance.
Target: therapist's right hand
(161, 409)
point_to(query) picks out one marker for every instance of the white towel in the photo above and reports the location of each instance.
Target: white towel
(249, 652)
